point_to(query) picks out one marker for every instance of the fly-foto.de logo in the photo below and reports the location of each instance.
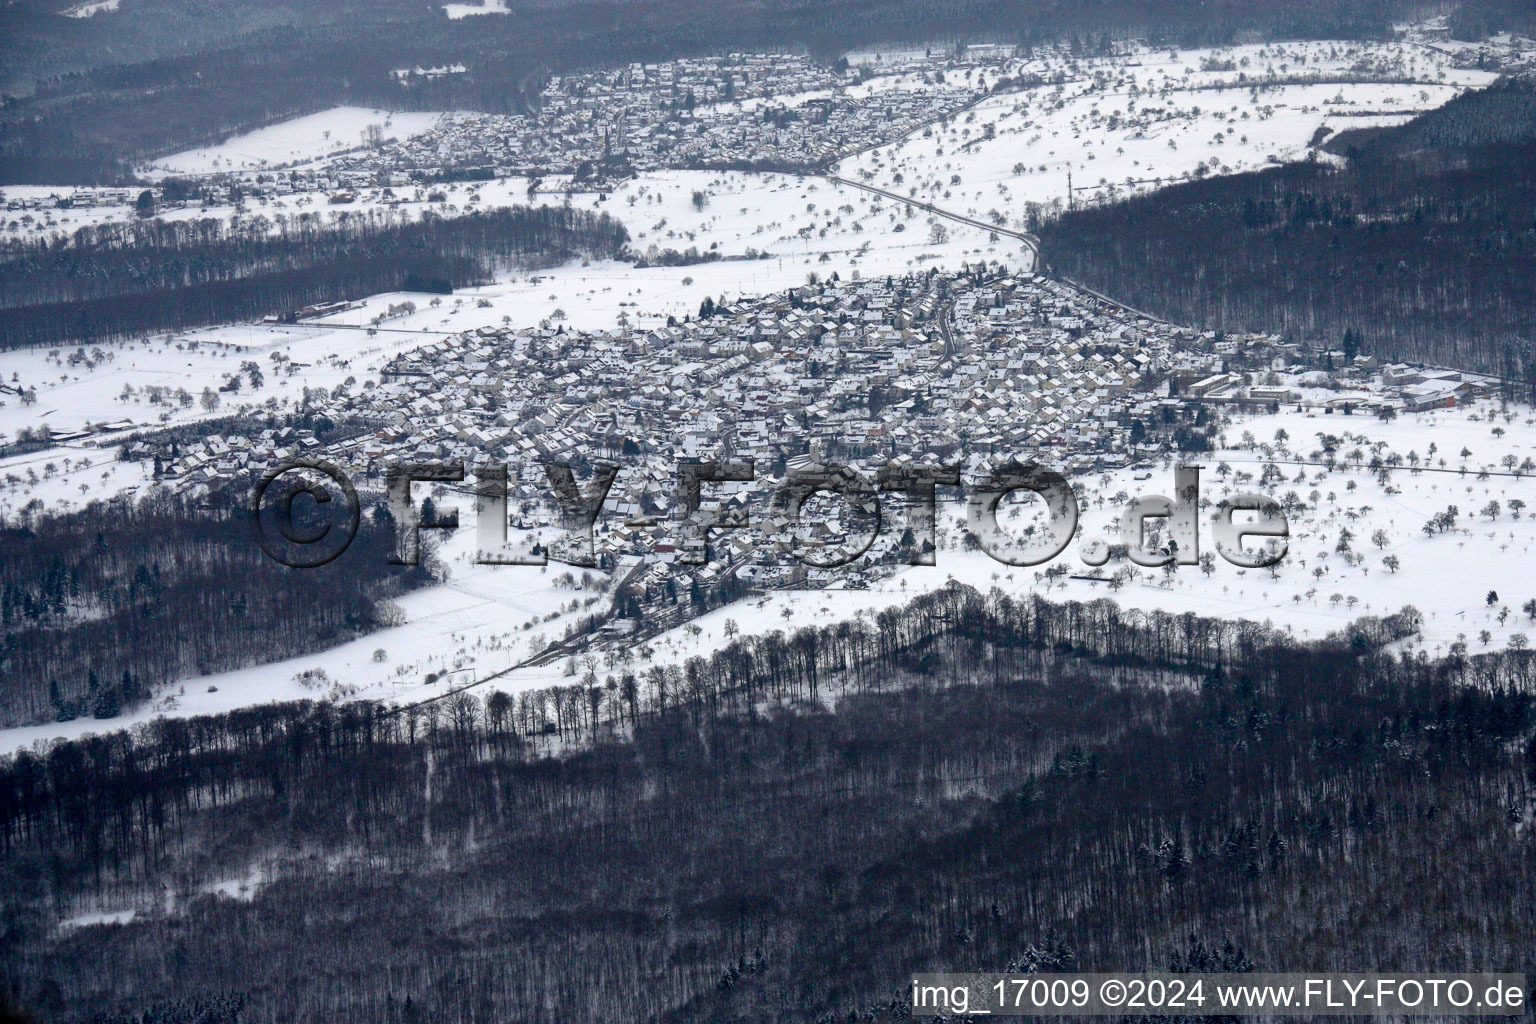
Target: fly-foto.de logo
(1155, 530)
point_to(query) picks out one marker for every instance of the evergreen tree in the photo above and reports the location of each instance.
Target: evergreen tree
(105, 705)
(132, 691)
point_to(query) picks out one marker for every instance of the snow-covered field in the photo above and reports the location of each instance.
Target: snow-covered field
(1128, 124)
(87, 10)
(72, 397)
(296, 141)
(456, 11)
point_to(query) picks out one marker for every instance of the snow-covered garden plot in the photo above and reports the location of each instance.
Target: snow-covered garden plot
(297, 141)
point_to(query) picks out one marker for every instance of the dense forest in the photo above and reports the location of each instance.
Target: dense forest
(1424, 243)
(786, 829)
(114, 281)
(90, 97)
(103, 607)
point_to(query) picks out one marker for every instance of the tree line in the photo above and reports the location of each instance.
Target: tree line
(109, 282)
(1419, 247)
(103, 608)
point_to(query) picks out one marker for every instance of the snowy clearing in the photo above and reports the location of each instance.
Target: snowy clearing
(90, 9)
(295, 141)
(457, 11)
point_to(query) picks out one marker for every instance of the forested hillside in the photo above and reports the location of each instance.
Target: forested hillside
(1424, 243)
(102, 607)
(1001, 785)
(114, 281)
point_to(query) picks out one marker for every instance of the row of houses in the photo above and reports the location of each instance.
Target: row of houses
(764, 109)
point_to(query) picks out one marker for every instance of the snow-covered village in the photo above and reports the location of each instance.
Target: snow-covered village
(835, 343)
